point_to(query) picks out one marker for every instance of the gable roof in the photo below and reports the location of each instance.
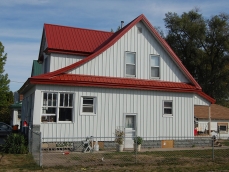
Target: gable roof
(71, 40)
(111, 40)
(115, 37)
(217, 112)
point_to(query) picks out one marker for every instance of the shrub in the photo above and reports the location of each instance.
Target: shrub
(138, 140)
(15, 143)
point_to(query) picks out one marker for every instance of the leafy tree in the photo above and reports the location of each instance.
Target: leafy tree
(203, 47)
(6, 96)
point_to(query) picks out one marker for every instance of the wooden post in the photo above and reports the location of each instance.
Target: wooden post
(209, 116)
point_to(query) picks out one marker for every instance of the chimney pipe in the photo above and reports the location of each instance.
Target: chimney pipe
(122, 24)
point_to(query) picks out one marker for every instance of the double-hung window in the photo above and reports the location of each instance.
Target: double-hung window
(154, 66)
(167, 108)
(65, 107)
(49, 108)
(88, 105)
(130, 61)
(57, 107)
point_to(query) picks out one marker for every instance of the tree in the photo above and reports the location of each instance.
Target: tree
(203, 47)
(6, 96)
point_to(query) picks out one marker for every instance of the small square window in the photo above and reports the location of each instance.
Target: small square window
(88, 105)
(168, 108)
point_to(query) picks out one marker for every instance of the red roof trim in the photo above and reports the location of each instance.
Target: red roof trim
(114, 82)
(118, 83)
(202, 94)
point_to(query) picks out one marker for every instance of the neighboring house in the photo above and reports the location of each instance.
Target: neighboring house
(16, 107)
(16, 111)
(218, 118)
(95, 81)
(36, 69)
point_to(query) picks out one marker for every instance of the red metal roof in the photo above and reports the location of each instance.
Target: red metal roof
(115, 37)
(115, 82)
(99, 46)
(70, 39)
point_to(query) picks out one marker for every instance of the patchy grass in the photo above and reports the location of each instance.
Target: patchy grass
(184, 160)
(225, 142)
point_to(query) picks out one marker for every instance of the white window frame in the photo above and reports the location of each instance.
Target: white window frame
(54, 117)
(94, 105)
(159, 61)
(165, 114)
(128, 75)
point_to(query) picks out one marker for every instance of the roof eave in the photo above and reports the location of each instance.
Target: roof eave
(71, 52)
(89, 83)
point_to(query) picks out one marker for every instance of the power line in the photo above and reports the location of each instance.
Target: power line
(17, 81)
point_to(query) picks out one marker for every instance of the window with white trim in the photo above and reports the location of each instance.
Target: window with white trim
(167, 108)
(222, 127)
(65, 107)
(88, 105)
(52, 111)
(130, 61)
(154, 66)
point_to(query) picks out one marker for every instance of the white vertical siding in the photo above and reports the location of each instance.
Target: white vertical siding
(112, 104)
(200, 100)
(27, 110)
(58, 61)
(112, 61)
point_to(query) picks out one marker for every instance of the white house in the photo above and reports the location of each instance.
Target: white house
(218, 119)
(16, 111)
(95, 81)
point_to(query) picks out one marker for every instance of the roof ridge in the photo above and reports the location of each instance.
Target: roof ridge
(72, 27)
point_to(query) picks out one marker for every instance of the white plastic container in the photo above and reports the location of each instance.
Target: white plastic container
(96, 146)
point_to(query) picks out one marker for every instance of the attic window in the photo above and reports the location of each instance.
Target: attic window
(130, 61)
(154, 66)
(139, 30)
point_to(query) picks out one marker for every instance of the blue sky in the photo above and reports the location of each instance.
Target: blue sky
(21, 22)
